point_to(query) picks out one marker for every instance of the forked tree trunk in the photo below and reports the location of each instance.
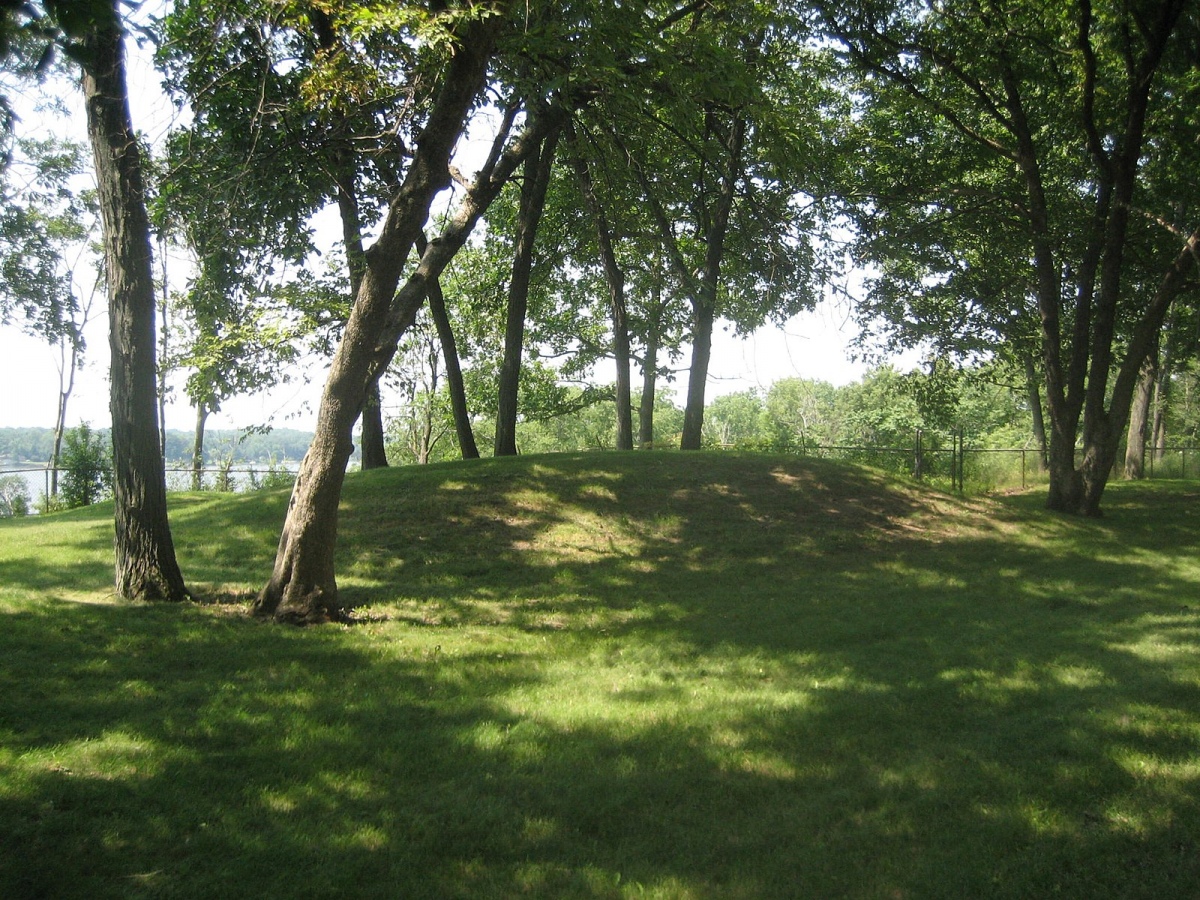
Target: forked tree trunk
(303, 585)
(1103, 428)
(146, 568)
(373, 450)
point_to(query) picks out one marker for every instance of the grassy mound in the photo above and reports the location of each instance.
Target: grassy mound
(615, 675)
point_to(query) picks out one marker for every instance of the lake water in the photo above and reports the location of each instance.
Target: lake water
(179, 478)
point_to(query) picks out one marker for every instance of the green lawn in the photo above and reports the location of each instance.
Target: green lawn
(616, 675)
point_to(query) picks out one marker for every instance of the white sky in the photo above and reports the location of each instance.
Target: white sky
(811, 345)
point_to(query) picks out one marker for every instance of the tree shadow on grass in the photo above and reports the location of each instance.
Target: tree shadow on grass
(900, 712)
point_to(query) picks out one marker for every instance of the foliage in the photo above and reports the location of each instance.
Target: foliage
(14, 496)
(46, 222)
(277, 477)
(86, 463)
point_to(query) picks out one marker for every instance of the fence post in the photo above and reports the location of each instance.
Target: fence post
(918, 458)
(958, 461)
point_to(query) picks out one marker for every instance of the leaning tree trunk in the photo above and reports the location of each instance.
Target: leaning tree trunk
(146, 568)
(533, 201)
(373, 445)
(303, 586)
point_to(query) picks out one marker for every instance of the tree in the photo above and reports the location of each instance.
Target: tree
(145, 551)
(734, 421)
(733, 101)
(89, 33)
(291, 110)
(87, 468)
(1057, 137)
(45, 235)
(303, 586)
(14, 496)
(536, 181)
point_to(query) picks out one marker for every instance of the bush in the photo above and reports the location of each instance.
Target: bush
(276, 477)
(87, 468)
(14, 496)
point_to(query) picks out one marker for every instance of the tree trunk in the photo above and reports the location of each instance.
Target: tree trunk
(1162, 401)
(198, 447)
(533, 200)
(614, 277)
(146, 567)
(1139, 413)
(454, 378)
(649, 386)
(374, 454)
(1162, 388)
(704, 303)
(1081, 490)
(373, 444)
(703, 317)
(164, 336)
(66, 384)
(1035, 411)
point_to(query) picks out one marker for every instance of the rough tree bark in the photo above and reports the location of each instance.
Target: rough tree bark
(146, 568)
(1077, 386)
(533, 200)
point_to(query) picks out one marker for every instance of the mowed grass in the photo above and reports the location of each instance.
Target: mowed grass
(662, 675)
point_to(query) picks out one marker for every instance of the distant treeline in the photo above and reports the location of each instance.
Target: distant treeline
(34, 445)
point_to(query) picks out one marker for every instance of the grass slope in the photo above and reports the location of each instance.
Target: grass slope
(665, 675)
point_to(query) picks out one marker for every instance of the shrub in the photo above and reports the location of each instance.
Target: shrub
(14, 496)
(87, 468)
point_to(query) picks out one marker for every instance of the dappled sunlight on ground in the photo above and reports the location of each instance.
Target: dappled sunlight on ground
(601, 678)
